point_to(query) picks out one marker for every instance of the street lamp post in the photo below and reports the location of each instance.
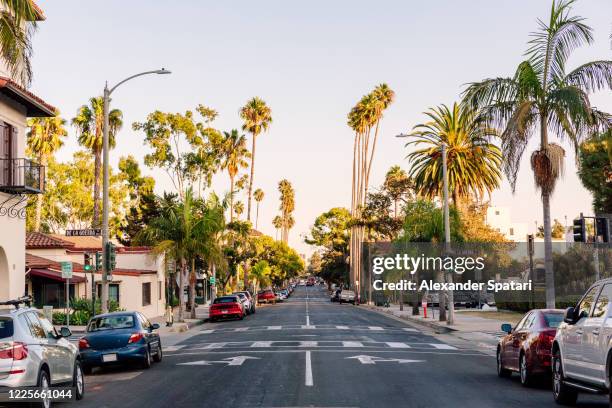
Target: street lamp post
(451, 302)
(105, 182)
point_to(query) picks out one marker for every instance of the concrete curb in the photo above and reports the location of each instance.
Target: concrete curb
(437, 327)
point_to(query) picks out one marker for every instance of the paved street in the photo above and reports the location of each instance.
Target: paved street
(308, 351)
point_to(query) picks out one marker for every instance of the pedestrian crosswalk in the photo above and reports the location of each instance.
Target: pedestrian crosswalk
(288, 344)
(310, 327)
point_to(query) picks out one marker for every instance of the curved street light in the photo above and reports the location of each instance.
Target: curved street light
(105, 180)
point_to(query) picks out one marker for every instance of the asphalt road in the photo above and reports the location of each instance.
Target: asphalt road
(309, 352)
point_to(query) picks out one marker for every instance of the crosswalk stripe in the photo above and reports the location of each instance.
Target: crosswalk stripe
(441, 346)
(342, 327)
(262, 344)
(395, 344)
(308, 344)
(207, 331)
(409, 329)
(375, 328)
(352, 344)
(214, 346)
(173, 348)
(275, 327)
(307, 326)
(241, 329)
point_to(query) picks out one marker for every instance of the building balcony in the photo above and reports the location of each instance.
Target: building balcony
(21, 176)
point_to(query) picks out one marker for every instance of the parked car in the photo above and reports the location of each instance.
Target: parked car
(335, 296)
(285, 293)
(120, 338)
(278, 296)
(225, 307)
(251, 299)
(347, 296)
(246, 303)
(28, 344)
(581, 349)
(266, 296)
(526, 348)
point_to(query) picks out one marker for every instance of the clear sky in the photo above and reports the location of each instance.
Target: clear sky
(310, 61)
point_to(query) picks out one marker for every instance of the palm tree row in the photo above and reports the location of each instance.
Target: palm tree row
(362, 119)
(287, 205)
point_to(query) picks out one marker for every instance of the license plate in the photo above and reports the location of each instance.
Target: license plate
(109, 357)
(224, 311)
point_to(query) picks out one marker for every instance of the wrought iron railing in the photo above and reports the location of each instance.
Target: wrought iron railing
(21, 176)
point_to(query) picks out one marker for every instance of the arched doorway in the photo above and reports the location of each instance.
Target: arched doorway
(5, 284)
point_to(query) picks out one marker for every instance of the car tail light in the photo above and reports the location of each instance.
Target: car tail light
(14, 350)
(545, 341)
(135, 338)
(83, 344)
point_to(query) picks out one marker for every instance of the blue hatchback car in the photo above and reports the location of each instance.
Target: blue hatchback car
(120, 338)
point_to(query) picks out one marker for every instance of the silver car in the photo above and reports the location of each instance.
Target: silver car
(347, 296)
(34, 354)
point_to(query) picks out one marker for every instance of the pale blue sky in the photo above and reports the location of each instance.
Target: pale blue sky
(311, 61)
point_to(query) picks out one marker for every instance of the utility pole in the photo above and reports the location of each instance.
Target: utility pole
(449, 275)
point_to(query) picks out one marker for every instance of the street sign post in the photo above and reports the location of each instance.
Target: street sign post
(91, 232)
(67, 274)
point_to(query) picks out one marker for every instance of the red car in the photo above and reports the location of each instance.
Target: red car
(266, 296)
(526, 349)
(225, 307)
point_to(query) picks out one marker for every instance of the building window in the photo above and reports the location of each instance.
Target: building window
(511, 231)
(113, 292)
(496, 212)
(146, 294)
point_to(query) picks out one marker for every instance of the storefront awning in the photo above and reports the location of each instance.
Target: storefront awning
(56, 276)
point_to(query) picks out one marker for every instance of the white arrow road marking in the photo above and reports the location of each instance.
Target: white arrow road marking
(230, 361)
(363, 359)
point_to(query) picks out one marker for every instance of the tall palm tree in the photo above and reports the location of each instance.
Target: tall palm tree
(277, 222)
(473, 161)
(17, 25)
(233, 159)
(238, 209)
(44, 139)
(259, 196)
(257, 117)
(89, 122)
(287, 205)
(543, 96)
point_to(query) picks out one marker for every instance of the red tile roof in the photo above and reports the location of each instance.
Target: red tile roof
(36, 107)
(33, 261)
(40, 240)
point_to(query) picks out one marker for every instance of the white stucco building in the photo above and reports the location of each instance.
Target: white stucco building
(499, 218)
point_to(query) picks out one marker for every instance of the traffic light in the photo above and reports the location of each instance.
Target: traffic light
(87, 266)
(579, 230)
(98, 260)
(601, 229)
(111, 256)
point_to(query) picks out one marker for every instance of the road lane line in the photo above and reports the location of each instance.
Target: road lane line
(352, 344)
(241, 329)
(173, 348)
(395, 344)
(212, 346)
(308, 343)
(207, 331)
(441, 346)
(342, 327)
(262, 344)
(275, 327)
(375, 328)
(307, 326)
(409, 329)
(309, 382)
(307, 320)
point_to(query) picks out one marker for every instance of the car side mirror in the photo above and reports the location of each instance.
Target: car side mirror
(65, 332)
(507, 328)
(154, 326)
(570, 315)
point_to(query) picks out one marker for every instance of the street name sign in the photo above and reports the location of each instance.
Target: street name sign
(90, 232)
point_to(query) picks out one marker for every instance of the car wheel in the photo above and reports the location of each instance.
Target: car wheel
(501, 371)
(241, 316)
(147, 361)
(526, 379)
(563, 394)
(212, 319)
(159, 355)
(78, 381)
(44, 384)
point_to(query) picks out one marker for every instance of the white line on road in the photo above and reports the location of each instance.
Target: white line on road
(261, 344)
(206, 331)
(409, 329)
(275, 327)
(395, 344)
(441, 346)
(308, 326)
(352, 344)
(173, 348)
(342, 327)
(241, 329)
(307, 320)
(375, 328)
(308, 344)
(309, 382)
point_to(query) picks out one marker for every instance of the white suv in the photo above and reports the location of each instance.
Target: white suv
(582, 349)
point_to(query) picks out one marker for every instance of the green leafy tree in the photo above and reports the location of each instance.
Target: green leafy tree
(398, 186)
(542, 96)
(595, 170)
(89, 122)
(257, 117)
(558, 230)
(17, 25)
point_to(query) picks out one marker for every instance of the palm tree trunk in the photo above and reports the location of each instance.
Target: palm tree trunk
(548, 261)
(39, 198)
(251, 179)
(231, 198)
(257, 216)
(96, 205)
(181, 290)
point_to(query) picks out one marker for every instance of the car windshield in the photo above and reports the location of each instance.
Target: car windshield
(111, 322)
(242, 296)
(229, 299)
(6, 327)
(553, 319)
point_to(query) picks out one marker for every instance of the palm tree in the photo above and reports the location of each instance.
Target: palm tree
(287, 205)
(473, 161)
(234, 158)
(278, 224)
(259, 196)
(17, 24)
(541, 95)
(257, 117)
(89, 124)
(238, 209)
(44, 139)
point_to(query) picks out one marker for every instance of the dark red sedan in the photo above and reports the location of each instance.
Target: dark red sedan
(526, 349)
